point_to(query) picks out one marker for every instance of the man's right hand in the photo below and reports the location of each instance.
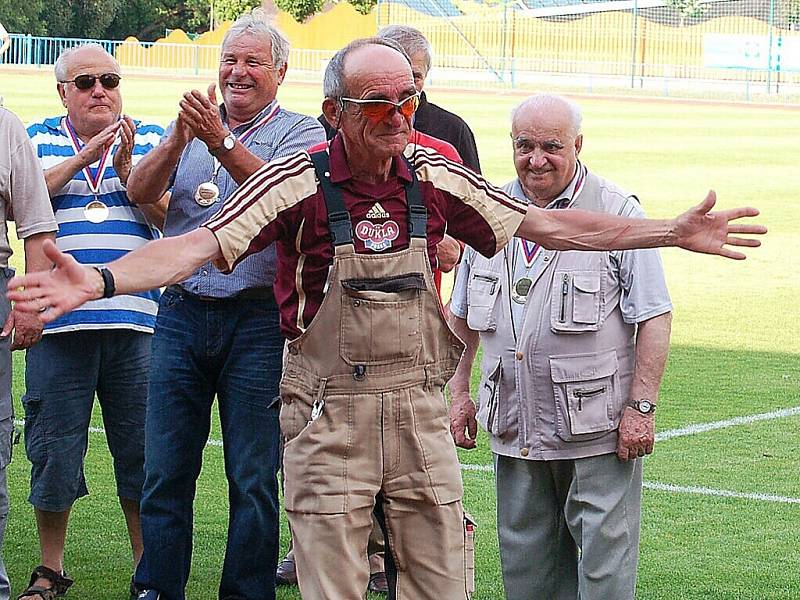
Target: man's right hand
(52, 293)
(463, 426)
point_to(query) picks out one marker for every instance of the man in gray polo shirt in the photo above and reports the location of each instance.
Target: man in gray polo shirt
(574, 347)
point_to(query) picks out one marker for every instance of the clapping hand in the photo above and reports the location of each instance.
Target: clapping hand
(201, 114)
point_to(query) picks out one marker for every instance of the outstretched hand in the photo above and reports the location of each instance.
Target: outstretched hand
(52, 293)
(700, 230)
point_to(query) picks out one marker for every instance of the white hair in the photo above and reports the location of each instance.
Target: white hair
(546, 101)
(410, 39)
(64, 58)
(257, 23)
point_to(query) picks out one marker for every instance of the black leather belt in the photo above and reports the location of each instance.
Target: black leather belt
(259, 293)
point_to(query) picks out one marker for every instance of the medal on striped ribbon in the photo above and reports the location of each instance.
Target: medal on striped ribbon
(95, 210)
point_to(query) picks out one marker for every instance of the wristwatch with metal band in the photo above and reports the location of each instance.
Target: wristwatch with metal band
(643, 405)
(228, 142)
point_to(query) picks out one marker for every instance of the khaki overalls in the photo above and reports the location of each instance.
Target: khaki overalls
(364, 417)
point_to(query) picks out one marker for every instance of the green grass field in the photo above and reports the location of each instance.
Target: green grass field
(735, 353)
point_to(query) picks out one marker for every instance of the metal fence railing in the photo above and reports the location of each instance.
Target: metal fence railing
(567, 69)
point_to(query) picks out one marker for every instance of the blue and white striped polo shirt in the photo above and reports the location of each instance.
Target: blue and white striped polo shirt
(125, 228)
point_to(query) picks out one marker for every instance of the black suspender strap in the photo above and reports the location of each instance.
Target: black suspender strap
(417, 213)
(338, 218)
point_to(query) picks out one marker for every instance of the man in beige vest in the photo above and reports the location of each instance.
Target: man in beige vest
(575, 345)
(357, 225)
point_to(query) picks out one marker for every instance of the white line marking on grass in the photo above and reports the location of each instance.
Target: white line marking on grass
(745, 420)
(704, 491)
(210, 442)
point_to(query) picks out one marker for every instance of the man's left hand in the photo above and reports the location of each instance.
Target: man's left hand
(636, 434)
(123, 157)
(26, 327)
(700, 230)
(201, 114)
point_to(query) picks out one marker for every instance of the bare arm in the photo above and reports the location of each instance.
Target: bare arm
(156, 213)
(697, 230)
(463, 426)
(149, 179)
(70, 284)
(27, 328)
(637, 431)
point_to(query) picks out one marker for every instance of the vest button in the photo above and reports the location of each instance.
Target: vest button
(293, 350)
(519, 356)
(524, 452)
(356, 303)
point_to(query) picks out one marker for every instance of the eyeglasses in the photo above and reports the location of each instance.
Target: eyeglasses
(378, 110)
(85, 82)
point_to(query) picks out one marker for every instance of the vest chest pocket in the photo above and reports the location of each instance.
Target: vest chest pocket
(586, 392)
(576, 303)
(381, 319)
(482, 291)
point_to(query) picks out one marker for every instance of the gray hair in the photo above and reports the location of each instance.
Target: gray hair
(546, 101)
(257, 23)
(410, 39)
(64, 58)
(333, 85)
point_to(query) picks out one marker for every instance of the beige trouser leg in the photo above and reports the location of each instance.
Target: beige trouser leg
(331, 554)
(427, 543)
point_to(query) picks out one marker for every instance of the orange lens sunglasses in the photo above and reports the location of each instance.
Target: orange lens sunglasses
(379, 110)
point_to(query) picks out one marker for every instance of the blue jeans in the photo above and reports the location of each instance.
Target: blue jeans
(62, 374)
(232, 349)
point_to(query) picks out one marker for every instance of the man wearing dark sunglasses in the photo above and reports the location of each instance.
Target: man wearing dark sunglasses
(356, 228)
(87, 156)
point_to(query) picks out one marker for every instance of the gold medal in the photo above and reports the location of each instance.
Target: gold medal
(95, 211)
(207, 193)
(519, 293)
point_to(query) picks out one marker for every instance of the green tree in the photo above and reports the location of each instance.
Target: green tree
(300, 9)
(22, 17)
(364, 6)
(791, 11)
(687, 9)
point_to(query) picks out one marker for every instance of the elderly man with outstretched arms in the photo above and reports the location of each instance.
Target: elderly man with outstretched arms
(369, 352)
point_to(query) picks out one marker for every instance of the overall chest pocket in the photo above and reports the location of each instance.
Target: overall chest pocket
(381, 319)
(577, 301)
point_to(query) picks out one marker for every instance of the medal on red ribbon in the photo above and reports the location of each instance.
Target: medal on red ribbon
(95, 210)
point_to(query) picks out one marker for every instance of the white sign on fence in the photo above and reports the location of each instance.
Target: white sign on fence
(730, 51)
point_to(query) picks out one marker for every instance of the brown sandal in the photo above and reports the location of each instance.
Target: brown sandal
(60, 584)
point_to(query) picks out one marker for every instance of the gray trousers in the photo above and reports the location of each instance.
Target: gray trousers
(569, 529)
